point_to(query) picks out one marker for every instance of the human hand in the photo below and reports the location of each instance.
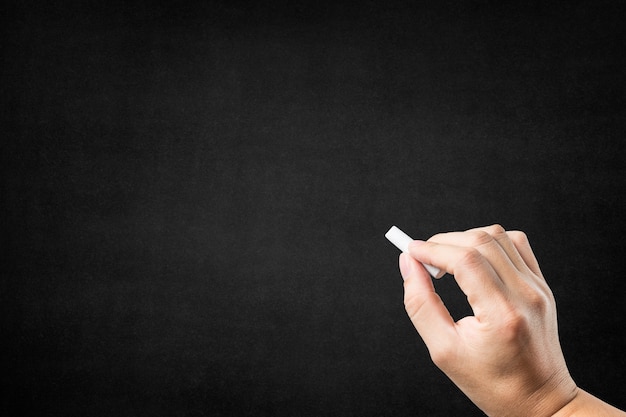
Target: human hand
(506, 358)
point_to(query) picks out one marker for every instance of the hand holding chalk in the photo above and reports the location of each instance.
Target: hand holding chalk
(506, 357)
(402, 240)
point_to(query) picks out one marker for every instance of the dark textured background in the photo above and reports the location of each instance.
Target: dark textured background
(195, 197)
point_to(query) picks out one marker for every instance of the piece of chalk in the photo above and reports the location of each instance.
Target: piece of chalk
(402, 240)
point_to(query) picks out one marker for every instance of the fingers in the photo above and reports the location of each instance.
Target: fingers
(484, 244)
(496, 233)
(520, 240)
(507, 251)
(472, 271)
(426, 310)
(494, 244)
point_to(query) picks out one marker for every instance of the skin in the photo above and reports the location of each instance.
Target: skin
(506, 357)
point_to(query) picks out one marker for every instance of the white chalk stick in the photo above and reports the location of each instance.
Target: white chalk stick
(402, 240)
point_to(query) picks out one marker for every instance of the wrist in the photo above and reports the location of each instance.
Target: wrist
(572, 407)
(557, 394)
(586, 405)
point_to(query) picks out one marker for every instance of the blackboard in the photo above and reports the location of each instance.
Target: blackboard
(195, 196)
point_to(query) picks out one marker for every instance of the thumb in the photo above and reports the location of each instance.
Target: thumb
(427, 312)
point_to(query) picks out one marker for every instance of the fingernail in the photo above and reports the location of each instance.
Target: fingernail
(416, 243)
(406, 266)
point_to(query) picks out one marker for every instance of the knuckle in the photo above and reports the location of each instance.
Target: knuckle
(443, 355)
(537, 300)
(480, 237)
(519, 238)
(515, 328)
(496, 230)
(471, 259)
(414, 303)
(536, 296)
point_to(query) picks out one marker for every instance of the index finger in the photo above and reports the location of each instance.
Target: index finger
(474, 274)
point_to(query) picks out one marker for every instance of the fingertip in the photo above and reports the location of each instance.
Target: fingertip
(416, 244)
(440, 274)
(410, 267)
(420, 251)
(407, 265)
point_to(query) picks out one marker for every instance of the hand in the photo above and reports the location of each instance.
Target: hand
(506, 358)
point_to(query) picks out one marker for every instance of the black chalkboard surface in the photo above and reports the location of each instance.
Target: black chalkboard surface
(195, 197)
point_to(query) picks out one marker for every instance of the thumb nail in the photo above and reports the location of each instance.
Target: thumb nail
(406, 266)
